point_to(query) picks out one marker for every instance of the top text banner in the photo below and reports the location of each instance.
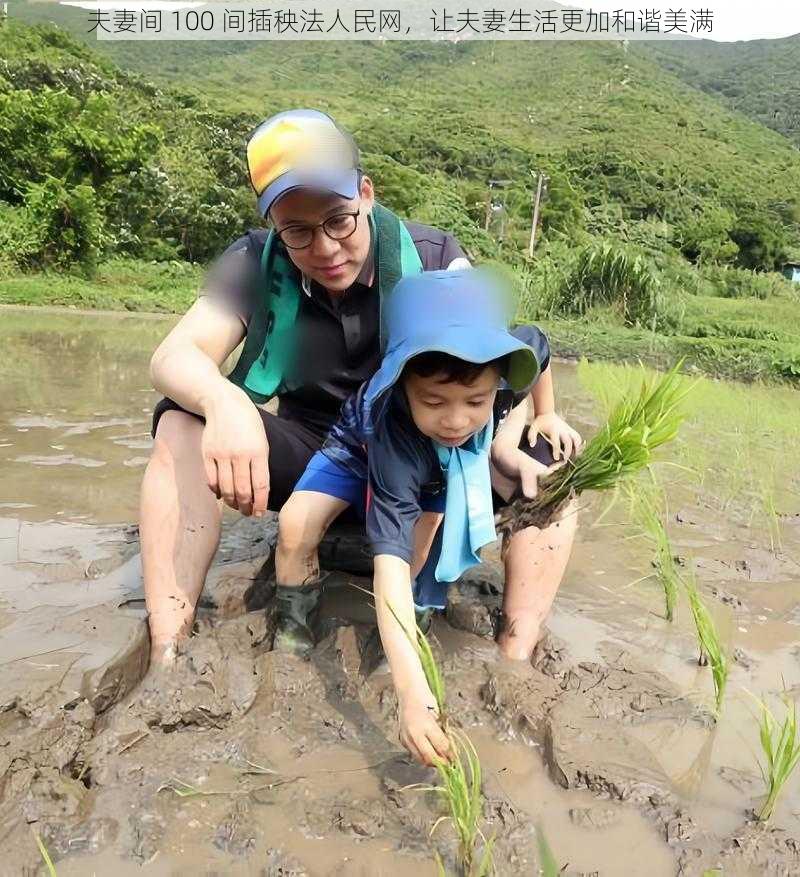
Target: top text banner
(357, 20)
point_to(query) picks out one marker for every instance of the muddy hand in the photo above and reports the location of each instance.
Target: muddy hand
(421, 733)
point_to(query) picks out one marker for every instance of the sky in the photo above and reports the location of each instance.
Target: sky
(732, 19)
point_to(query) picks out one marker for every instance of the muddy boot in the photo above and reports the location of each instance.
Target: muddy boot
(297, 618)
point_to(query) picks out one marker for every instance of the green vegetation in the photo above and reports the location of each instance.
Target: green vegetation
(666, 219)
(637, 426)
(118, 284)
(461, 783)
(48, 862)
(648, 511)
(709, 639)
(781, 747)
(757, 78)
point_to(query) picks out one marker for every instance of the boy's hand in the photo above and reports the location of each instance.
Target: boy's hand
(518, 466)
(564, 440)
(420, 731)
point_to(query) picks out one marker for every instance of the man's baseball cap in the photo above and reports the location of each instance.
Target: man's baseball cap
(301, 149)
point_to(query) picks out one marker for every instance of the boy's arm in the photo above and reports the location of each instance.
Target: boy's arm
(420, 731)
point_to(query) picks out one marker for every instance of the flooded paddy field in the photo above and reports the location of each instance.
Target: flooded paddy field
(244, 761)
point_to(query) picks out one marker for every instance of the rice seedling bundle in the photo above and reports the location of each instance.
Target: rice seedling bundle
(635, 429)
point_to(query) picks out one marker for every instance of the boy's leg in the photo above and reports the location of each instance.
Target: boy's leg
(301, 525)
(535, 562)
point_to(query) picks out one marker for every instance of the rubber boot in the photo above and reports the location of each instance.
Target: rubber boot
(297, 618)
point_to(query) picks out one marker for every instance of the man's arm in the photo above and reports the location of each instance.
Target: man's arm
(186, 368)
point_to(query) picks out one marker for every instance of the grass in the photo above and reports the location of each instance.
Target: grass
(118, 285)
(647, 506)
(709, 639)
(781, 748)
(51, 868)
(461, 777)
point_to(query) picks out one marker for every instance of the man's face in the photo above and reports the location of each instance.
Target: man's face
(449, 412)
(333, 264)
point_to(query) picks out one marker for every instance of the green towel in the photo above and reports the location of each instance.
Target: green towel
(264, 368)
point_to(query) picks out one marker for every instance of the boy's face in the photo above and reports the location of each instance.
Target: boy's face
(449, 412)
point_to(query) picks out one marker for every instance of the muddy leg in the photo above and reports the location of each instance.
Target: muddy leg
(179, 527)
(535, 561)
(302, 523)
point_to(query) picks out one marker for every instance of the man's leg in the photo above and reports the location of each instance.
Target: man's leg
(179, 527)
(180, 518)
(535, 561)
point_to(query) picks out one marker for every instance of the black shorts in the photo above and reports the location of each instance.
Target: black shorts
(292, 445)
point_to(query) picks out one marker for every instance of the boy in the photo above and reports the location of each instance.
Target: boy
(420, 447)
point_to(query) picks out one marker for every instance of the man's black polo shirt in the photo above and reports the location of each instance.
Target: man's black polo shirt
(339, 345)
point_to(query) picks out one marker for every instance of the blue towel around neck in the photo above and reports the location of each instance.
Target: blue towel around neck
(469, 517)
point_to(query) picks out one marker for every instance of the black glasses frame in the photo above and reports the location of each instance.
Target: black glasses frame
(311, 229)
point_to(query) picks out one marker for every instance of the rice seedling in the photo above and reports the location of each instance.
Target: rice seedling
(648, 507)
(460, 778)
(51, 868)
(771, 514)
(708, 637)
(781, 747)
(548, 866)
(635, 429)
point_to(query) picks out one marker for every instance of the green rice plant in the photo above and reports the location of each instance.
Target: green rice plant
(433, 675)
(647, 508)
(635, 429)
(708, 637)
(548, 866)
(781, 747)
(51, 868)
(771, 514)
(460, 778)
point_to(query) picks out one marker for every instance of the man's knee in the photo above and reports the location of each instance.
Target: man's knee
(178, 435)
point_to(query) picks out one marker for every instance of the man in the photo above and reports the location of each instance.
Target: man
(306, 300)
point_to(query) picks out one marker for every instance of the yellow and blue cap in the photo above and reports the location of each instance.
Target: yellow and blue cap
(301, 149)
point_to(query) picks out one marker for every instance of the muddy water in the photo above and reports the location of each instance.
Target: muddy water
(607, 743)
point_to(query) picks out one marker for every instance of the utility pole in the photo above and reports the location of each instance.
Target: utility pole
(537, 199)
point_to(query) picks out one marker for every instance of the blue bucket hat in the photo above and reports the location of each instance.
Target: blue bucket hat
(463, 313)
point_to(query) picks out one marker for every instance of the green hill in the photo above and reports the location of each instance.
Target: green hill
(760, 78)
(660, 199)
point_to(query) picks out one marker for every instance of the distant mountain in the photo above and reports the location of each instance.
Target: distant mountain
(631, 150)
(760, 78)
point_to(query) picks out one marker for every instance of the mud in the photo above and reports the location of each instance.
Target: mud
(242, 761)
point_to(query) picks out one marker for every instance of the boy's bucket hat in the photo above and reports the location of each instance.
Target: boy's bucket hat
(463, 313)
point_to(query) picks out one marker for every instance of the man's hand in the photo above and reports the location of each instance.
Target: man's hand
(420, 731)
(235, 450)
(564, 440)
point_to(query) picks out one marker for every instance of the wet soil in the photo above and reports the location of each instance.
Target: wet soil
(240, 760)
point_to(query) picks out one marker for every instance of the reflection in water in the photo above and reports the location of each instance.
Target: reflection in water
(76, 398)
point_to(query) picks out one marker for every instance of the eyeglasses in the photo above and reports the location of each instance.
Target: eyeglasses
(338, 228)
